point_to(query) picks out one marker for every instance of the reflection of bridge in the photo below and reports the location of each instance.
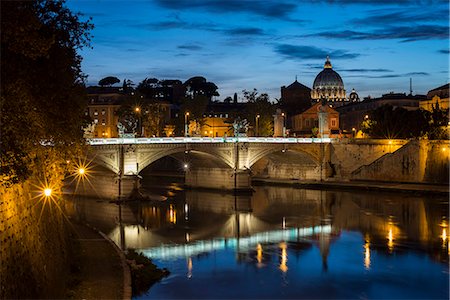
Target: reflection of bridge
(244, 243)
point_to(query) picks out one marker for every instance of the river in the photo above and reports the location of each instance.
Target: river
(282, 242)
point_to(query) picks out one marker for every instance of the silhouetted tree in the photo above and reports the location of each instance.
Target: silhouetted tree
(198, 85)
(42, 86)
(259, 104)
(389, 122)
(108, 81)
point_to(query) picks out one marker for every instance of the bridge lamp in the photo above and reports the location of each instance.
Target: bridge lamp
(81, 171)
(366, 117)
(185, 166)
(137, 109)
(186, 127)
(256, 126)
(284, 124)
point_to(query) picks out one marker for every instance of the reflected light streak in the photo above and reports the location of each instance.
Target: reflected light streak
(186, 211)
(283, 263)
(367, 254)
(259, 256)
(188, 237)
(390, 240)
(189, 266)
(284, 223)
(172, 214)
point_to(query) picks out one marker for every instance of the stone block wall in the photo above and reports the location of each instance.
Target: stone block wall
(418, 161)
(34, 243)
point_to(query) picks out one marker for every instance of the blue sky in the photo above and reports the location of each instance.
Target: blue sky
(375, 45)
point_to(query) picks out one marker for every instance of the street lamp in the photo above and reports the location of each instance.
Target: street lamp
(354, 131)
(137, 109)
(284, 124)
(186, 127)
(257, 127)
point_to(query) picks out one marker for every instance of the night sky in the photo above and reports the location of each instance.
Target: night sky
(376, 46)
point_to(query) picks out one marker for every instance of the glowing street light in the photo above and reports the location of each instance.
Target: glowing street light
(81, 171)
(186, 126)
(284, 124)
(257, 127)
(47, 192)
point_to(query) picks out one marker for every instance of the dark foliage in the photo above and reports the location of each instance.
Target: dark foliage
(389, 122)
(143, 272)
(42, 90)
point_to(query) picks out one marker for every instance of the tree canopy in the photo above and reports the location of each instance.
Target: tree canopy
(42, 86)
(108, 81)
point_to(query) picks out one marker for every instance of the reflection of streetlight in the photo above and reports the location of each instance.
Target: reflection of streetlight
(186, 129)
(256, 127)
(284, 124)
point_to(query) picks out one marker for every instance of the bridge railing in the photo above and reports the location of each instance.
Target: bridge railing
(206, 140)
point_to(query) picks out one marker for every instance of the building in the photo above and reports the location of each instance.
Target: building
(295, 98)
(353, 114)
(304, 123)
(329, 85)
(103, 102)
(436, 97)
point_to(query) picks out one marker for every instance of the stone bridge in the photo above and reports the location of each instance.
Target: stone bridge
(231, 163)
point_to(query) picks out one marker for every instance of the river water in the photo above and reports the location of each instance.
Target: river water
(283, 242)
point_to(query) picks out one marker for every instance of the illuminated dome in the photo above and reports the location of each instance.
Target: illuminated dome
(328, 84)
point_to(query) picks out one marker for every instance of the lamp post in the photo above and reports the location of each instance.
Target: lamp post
(186, 127)
(137, 109)
(257, 127)
(284, 124)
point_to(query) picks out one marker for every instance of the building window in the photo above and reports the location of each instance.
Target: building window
(103, 112)
(103, 122)
(307, 123)
(95, 121)
(333, 122)
(95, 113)
(86, 113)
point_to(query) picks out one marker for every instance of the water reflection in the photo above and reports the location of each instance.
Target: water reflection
(326, 230)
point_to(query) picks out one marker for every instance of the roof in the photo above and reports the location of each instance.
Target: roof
(315, 109)
(443, 87)
(297, 85)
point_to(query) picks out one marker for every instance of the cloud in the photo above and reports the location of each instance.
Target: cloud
(191, 47)
(384, 2)
(403, 33)
(391, 75)
(275, 9)
(365, 70)
(310, 52)
(380, 18)
(444, 51)
(245, 31)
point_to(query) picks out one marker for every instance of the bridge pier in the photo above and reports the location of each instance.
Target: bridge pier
(219, 178)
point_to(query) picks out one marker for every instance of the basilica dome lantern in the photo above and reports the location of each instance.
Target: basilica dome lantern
(328, 85)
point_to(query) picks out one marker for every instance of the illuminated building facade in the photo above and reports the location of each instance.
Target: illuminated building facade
(438, 97)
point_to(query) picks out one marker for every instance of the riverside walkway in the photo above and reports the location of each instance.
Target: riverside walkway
(102, 272)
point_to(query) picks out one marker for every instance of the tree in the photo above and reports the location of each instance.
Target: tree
(198, 85)
(259, 107)
(108, 81)
(389, 123)
(42, 86)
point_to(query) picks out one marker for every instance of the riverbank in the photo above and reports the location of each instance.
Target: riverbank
(418, 188)
(99, 269)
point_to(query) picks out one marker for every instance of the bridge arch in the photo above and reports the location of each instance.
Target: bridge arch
(146, 158)
(310, 153)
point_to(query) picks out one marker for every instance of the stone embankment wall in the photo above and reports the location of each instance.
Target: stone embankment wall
(34, 243)
(418, 161)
